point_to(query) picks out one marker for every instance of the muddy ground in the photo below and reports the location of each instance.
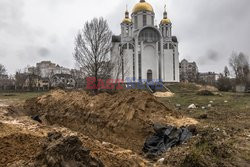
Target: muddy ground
(114, 127)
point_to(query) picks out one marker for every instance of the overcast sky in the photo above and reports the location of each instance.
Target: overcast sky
(34, 30)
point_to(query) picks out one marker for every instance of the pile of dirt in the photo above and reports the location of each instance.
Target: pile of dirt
(124, 118)
(18, 146)
(65, 151)
(163, 94)
(207, 87)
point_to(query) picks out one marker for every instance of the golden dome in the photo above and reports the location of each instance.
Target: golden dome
(127, 21)
(165, 21)
(142, 6)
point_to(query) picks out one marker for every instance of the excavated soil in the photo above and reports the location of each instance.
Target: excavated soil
(24, 142)
(124, 118)
(18, 146)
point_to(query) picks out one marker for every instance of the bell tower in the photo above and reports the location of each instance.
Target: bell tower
(166, 25)
(126, 26)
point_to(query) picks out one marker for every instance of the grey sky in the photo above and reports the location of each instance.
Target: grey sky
(35, 30)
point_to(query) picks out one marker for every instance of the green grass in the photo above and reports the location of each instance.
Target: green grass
(20, 96)
(235, 100)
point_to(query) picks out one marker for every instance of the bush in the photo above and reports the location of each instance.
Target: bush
(224, 84)
(205, 93)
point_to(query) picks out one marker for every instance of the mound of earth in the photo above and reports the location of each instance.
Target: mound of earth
(18, 146)
(124, 118)
(65, 151)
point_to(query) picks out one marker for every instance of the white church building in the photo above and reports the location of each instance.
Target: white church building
(149, 52)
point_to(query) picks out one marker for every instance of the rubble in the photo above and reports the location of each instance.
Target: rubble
(192, 106)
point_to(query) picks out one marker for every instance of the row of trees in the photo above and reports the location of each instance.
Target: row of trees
(240, 65)
(2, 70)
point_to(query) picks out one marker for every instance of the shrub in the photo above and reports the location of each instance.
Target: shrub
(205, 93)
(224, 84)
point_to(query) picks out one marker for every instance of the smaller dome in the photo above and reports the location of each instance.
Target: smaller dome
(165, 21)
(127, 21)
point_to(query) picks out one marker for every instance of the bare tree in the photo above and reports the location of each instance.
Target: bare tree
(93, 43)
(20, 79)
(2, 69)
(120, 64)
(240, 65)
(226, 72)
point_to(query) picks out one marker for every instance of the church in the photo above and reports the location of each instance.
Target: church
(148, 51)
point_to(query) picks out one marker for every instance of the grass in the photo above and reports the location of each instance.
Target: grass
(19, 96)
(231, 117)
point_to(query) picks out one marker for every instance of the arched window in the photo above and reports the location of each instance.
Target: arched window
(166, 46)
(136, 22)
(124, 46)
(131, 46)
(144, 20)
(149, 35)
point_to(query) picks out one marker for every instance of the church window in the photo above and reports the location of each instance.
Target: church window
(152, 20)
(166, 46)
(144, 20)
(174, 66)
(159, 46)
(139, 57)
(131, 46)
(171, 46)
(124, 46)
(149, 35)
(133, 66)
(136, 22)
(127, 31)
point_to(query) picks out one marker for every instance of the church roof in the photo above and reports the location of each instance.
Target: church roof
(142, 6)
(165, 21)
(127, 21)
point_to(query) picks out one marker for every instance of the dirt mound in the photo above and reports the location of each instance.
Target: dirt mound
(208, 87)
(124, 118)
(163, 94)
(65, 151)
(17, 147)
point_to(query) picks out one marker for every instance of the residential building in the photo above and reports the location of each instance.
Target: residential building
(188, 71)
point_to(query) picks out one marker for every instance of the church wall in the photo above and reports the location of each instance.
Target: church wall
(168, 63)
(140, 21)
(128, 64)
(177, 69)
(149, 61)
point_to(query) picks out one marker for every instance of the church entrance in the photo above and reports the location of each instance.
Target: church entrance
(149, 75)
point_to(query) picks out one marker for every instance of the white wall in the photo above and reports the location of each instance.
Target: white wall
(149, 61)
(168, 63)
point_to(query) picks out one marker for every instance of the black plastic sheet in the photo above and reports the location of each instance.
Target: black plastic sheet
(164, 138)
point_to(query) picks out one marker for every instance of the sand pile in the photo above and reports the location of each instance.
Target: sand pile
(163, 94)
(124, 118)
